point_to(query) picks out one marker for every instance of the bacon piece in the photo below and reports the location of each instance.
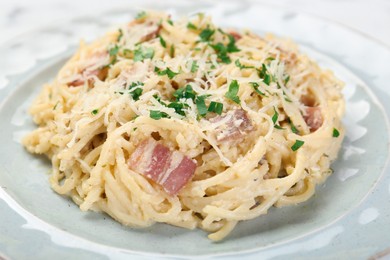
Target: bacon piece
(172, 170)
(236, 126)
(99, 73)
(153, 34)
(313, 118)
(236, 35)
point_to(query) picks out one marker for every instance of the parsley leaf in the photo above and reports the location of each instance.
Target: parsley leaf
(286, 80)
(255, 86)
(238, 64)
(201, 105)
(140, 15)
(222, 52)
(264, 75)
(162, 41)
(185, 92)
(275, 116)
(178, 107)
(114, 50)
(206, 34)
(191, 26)
(135, 90)
(293, 128)
(141, 54)
(336, 133)
(171, 74)
(232, 92)
(120, 35)
(215, 107)
(297, 145)
(95, 111)
(231, 47)
(156, 115)
(194, 66)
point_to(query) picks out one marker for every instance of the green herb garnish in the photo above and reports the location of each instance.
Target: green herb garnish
(222, 52)
(238, 64)
(120, 35)
(140, 15)
(231, 47)
(162, 41)
(171, 74)
(191, 26)
(206, 34)
(264, 75)
(293, 128)
(297, 145)
(255, 86)
(95, 111)
(232, 92)
(185, 92)
(215, 107)
(201, 105)
(336, 133)
(194, 66)
(178, 107)
(156, 115)
(114, 50)
(172, 51)
(141, 54)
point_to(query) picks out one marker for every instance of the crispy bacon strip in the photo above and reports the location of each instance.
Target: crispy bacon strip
(313, 118)
(172, 170)
(236, 35)
(236, 126)
(100, 73)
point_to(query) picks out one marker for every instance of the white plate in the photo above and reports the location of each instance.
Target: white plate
(348, 217)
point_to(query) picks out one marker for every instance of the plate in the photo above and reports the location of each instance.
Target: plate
(346, 217)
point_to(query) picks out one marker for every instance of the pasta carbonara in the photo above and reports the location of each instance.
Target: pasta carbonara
(185, 123)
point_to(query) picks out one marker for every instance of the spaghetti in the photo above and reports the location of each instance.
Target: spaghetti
(188, 124)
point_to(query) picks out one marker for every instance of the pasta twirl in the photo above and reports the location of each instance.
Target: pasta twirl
(185, 123)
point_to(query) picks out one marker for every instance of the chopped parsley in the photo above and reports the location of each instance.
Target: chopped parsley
(297, 145)
(95, 111)
(170, 22)
(238, 64)
(194, 66)
(222, 52)
(264, 75)
(185, 92)
(191, 26)
(156, 115)
(231, 47)
(178, 107)
(171, 74)
(275, 116)
(215, 107)
(140, 15)
(162, 41)
(293, 128)
(286, 80)
(275, 119)
(201, 105)
(232, 92)
(114, 50)
(255, 86)
(206, 34)
(141, 54)
(336, 133)
(120, 35)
